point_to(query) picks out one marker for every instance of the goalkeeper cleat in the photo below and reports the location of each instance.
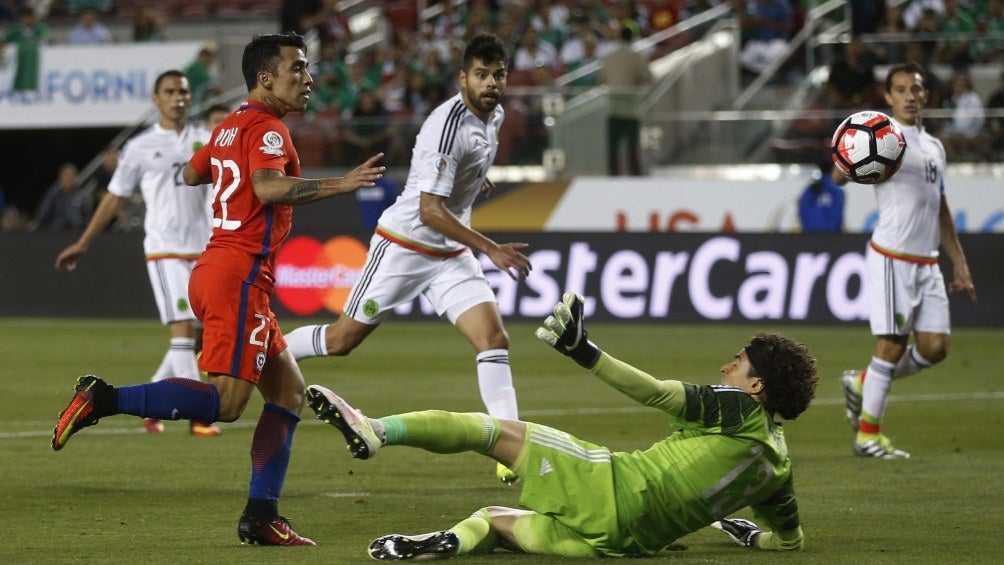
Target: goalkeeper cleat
(743, 532)
(277, 531)
(363, 441)
(153, 425)
(198, 429)
(852, 397)
(80, 413)
(424, 547)
(505, 475)
(879, 448)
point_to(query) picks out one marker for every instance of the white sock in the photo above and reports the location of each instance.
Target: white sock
(164, 371)
(495, 382)
(308, 341)
(875, 391)
(910, 363)
(182, 358)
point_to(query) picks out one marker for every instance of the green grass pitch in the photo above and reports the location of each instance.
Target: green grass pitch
(118, 495)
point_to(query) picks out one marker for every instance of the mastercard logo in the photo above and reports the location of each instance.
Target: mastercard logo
(311, 275)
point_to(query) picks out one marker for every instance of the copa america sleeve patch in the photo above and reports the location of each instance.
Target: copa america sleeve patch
(273, 143)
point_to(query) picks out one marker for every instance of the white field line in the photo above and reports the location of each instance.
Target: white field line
(137, 428)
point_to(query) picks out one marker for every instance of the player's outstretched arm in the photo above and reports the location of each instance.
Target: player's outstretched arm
(507, 257)
(565, 331)
(271, 186)
(108, 208)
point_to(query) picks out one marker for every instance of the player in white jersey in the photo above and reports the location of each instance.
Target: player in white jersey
(424, 243)
(904, 283)
(177, 222)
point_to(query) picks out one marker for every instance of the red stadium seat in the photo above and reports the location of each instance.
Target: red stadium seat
(522, 77)
(514, 127)
(193, 10)
(402, 15)
(310, 145)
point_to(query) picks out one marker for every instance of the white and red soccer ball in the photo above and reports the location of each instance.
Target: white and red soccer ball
(868, 147)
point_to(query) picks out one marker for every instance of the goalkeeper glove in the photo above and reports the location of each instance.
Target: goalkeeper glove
(743, 532)
(566, 332)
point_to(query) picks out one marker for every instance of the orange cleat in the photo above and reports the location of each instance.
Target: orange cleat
(198, 429)
(153, 425)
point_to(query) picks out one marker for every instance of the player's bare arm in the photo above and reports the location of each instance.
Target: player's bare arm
(271, 186)
(962, 280)
(506, 256)
(488, 188)
(107, 210)
(193, 178)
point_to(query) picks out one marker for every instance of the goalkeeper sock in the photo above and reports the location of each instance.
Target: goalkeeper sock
(910, 363)
(495, 383)
(476, 534)
(442, 432)
(308, 341)
(874, 395)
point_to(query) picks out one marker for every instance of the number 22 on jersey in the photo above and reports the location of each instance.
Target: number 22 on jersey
(222, 194)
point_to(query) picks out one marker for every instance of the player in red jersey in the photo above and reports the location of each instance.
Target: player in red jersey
(254, 170)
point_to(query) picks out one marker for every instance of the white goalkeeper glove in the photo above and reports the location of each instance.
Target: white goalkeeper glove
(742, 531)
(565, 331)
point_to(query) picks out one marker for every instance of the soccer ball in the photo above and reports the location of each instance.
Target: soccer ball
(868, 147)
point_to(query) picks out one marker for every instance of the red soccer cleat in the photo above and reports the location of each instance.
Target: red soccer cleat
(198, 429)
(275, 532)
(80, 412)
(153, 425)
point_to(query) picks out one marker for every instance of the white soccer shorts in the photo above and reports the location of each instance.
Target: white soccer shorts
(169, 281)
(905, 297)
(394, 275)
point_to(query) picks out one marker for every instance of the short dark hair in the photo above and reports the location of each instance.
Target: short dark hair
(912, 68)
(788, 372)
(485, 47)
(218, 108)
(262, 54)
(175, 73)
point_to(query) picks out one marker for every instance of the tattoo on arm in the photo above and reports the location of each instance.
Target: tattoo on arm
(302, 192)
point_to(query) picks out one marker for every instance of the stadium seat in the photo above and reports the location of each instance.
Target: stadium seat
(402, 15)
(261, 9)
(193, 10)
(522, 77)
(514, 127)
(310, 146)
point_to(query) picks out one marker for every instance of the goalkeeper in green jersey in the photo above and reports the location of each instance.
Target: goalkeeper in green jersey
(581, 499)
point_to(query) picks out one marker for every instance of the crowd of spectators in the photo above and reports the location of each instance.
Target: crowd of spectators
(375, 98)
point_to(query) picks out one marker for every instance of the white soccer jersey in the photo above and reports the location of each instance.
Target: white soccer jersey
(177, 215)
(452, 154)
(910, 202)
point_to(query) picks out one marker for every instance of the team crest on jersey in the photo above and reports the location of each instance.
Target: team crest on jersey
(182, 305)
(259, 361)
(441, 164)
(197, 145)
(273, 143)
(371, 308)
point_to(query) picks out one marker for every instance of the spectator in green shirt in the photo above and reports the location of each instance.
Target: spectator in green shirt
(28, 35)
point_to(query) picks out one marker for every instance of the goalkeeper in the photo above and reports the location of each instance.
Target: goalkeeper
(581, 499)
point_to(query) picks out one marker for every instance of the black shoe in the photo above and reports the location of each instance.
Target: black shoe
(424, 547)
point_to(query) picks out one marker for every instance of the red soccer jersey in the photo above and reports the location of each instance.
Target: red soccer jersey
(246, 232)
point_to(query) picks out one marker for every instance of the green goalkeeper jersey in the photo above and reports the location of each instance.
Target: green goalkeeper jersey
(727, 454)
